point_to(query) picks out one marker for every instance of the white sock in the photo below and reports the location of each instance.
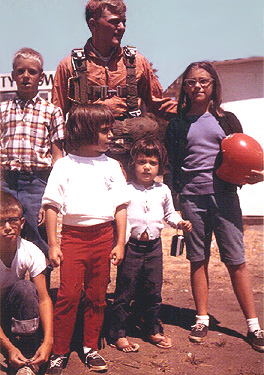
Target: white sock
(253, 324)
(86, 350)
(203, 319)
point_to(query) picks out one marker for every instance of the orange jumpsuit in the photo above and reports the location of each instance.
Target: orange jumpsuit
(113, 74)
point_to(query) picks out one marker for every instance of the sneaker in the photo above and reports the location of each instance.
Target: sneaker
(256, 339)
(56, 364)
(95, 361)
(27, 370)
(198, 333)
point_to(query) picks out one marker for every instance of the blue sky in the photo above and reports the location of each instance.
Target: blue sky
(170, 33)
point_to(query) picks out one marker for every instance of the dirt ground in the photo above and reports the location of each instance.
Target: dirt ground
(225, 351)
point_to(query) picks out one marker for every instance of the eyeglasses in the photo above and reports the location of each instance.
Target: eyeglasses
(203, 82)
(12, 221)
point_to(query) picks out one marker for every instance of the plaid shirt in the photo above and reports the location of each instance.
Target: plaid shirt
(27, 132)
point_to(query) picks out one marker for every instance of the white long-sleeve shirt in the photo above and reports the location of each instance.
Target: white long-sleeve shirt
(87, 190)
(148, 207)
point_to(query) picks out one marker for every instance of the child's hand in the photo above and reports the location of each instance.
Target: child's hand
(55, 255)
(42, 354)
(16, 358)
(254, 177)
(41, 217)
(117, 255)
(185, 225)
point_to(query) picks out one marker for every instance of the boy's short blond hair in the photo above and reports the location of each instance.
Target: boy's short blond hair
(28, 53)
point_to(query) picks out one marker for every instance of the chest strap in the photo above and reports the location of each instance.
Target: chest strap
(79, 91)
(77, 85)
(132, 91)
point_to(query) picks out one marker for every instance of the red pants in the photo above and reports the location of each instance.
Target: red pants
(86, 265)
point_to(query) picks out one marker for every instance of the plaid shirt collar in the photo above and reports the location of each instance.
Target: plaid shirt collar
(22, 103)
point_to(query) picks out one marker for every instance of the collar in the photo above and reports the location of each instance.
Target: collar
(87, 159)
(142, 187)
(92, 51)
(22, 103)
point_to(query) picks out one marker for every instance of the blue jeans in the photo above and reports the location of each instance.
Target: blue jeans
(20, 316)
(28, 188)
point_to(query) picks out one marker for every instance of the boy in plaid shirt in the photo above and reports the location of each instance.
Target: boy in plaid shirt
(32, 131)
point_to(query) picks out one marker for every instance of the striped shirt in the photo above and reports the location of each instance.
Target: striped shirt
(27, 132)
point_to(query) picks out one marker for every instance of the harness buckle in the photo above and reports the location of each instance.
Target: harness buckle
(136, 113)
(130, 52)
(103, 92)
(72, 86)
(119, 91)
(78, 53)
(78, 60)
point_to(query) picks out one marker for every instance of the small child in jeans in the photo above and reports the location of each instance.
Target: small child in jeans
(151, 202)
(89, 189)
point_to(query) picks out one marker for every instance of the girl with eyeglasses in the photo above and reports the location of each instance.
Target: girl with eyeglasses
(193, 142)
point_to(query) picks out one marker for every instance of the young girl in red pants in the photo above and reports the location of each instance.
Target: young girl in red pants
(89, 189)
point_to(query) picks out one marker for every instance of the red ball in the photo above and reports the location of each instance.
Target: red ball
(241, 153)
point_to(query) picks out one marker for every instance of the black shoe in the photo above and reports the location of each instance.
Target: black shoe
(256, 339)
(56, 364)
(94, 361)
(198, 333)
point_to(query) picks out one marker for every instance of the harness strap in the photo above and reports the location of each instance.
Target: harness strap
(79, 91)
(80, 75)
(132, 91)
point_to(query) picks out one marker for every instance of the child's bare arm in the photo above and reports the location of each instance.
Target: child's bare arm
(117, 254)
(46, 316)
(185, 225)
(55, 253)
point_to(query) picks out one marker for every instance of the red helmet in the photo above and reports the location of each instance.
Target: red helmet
(240, 154)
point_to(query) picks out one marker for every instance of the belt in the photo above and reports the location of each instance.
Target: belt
(41, 173)
(142, 246)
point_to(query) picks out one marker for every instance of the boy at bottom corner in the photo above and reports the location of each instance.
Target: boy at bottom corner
(24, 303)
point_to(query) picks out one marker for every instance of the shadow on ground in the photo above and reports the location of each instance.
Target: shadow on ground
(172, 315)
